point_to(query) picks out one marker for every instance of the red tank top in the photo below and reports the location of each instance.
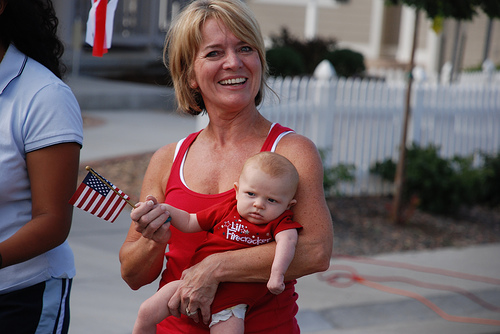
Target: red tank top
(273, 314)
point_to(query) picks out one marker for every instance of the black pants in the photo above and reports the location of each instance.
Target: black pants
(42, 308)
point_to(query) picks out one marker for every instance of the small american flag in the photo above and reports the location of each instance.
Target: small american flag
(99, 199)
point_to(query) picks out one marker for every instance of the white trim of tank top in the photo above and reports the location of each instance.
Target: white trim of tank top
(179, 143)
(283, 134)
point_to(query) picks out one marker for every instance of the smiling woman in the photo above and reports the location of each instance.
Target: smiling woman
(216, 57)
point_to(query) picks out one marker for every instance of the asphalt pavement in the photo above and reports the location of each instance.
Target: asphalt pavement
(463, 283)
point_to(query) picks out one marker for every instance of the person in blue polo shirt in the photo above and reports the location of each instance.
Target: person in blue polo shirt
(41, 134)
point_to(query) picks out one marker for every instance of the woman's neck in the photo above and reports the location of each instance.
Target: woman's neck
(236, 129)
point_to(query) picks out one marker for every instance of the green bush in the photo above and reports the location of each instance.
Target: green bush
(347, 63)
(334, 175)
(491, 181)
(442, 185)
(311, 51)
(432, 179)
(292, 56)
(470, 179)
(284, 61)
(385, 169)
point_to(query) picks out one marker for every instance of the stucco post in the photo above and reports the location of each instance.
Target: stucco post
(403, 54)
(311, 23)
(376, 29)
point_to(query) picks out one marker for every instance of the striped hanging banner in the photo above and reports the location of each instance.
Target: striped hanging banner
(100, 26)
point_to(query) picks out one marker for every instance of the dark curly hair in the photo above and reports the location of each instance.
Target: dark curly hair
(31, 25)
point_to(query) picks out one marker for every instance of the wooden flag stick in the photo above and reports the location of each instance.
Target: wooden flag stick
(108, 185)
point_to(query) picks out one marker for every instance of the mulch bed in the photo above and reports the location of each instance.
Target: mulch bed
(361, 224)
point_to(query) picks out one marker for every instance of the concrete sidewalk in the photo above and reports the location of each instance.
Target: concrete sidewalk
(102, 303)
(128, 132)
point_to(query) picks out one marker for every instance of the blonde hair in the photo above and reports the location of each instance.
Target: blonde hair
(275, 165)
(184, 38)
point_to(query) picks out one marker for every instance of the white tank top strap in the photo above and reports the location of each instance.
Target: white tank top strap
(280, 136)
(179, 144)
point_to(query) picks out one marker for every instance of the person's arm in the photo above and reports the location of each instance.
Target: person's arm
(315, 243)
(143, 251)
(286, 242)
(53, 174)
(253, 264)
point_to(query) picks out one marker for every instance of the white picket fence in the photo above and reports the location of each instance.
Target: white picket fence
(359, 121)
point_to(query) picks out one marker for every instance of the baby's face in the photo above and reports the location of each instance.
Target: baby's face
(262, 198)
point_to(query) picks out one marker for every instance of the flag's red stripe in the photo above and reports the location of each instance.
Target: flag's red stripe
(77, 194)
(100, 28)
(87, 191)
(111, 206)
(103, 205)
(117, 211)
(84, 199)
(93, 196)
(97, 204)
(109, 202)
(115, 207)
(91, 205)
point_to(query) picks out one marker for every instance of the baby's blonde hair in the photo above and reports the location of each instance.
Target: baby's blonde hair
(275, 165)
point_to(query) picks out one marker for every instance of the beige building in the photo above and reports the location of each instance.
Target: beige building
(383, 34)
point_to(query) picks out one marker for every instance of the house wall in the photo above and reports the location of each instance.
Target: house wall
(347, 23)
(475, 39)
(392, 20)
(350, 25)
(273, 17)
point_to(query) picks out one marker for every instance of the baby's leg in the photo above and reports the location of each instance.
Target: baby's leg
(154, 309)
(231, 320)
(233, 325)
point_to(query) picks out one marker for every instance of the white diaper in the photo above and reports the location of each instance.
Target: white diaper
(238, 311)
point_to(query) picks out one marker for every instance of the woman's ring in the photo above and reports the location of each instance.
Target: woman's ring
(190, 313)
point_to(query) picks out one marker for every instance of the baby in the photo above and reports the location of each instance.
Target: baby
(258, 214)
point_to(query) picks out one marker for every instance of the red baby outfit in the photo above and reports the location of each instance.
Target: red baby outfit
(229, 231)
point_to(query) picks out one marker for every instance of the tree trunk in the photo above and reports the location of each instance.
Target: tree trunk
(454, 54)
(400, 168)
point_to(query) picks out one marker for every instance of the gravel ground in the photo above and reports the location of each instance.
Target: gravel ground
(362, 225)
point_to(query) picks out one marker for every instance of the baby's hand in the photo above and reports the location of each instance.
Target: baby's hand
(276, 284)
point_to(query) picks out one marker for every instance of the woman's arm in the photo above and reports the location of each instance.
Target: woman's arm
(314, 247)
(143, 251)
(315, 244)
(53, 173)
